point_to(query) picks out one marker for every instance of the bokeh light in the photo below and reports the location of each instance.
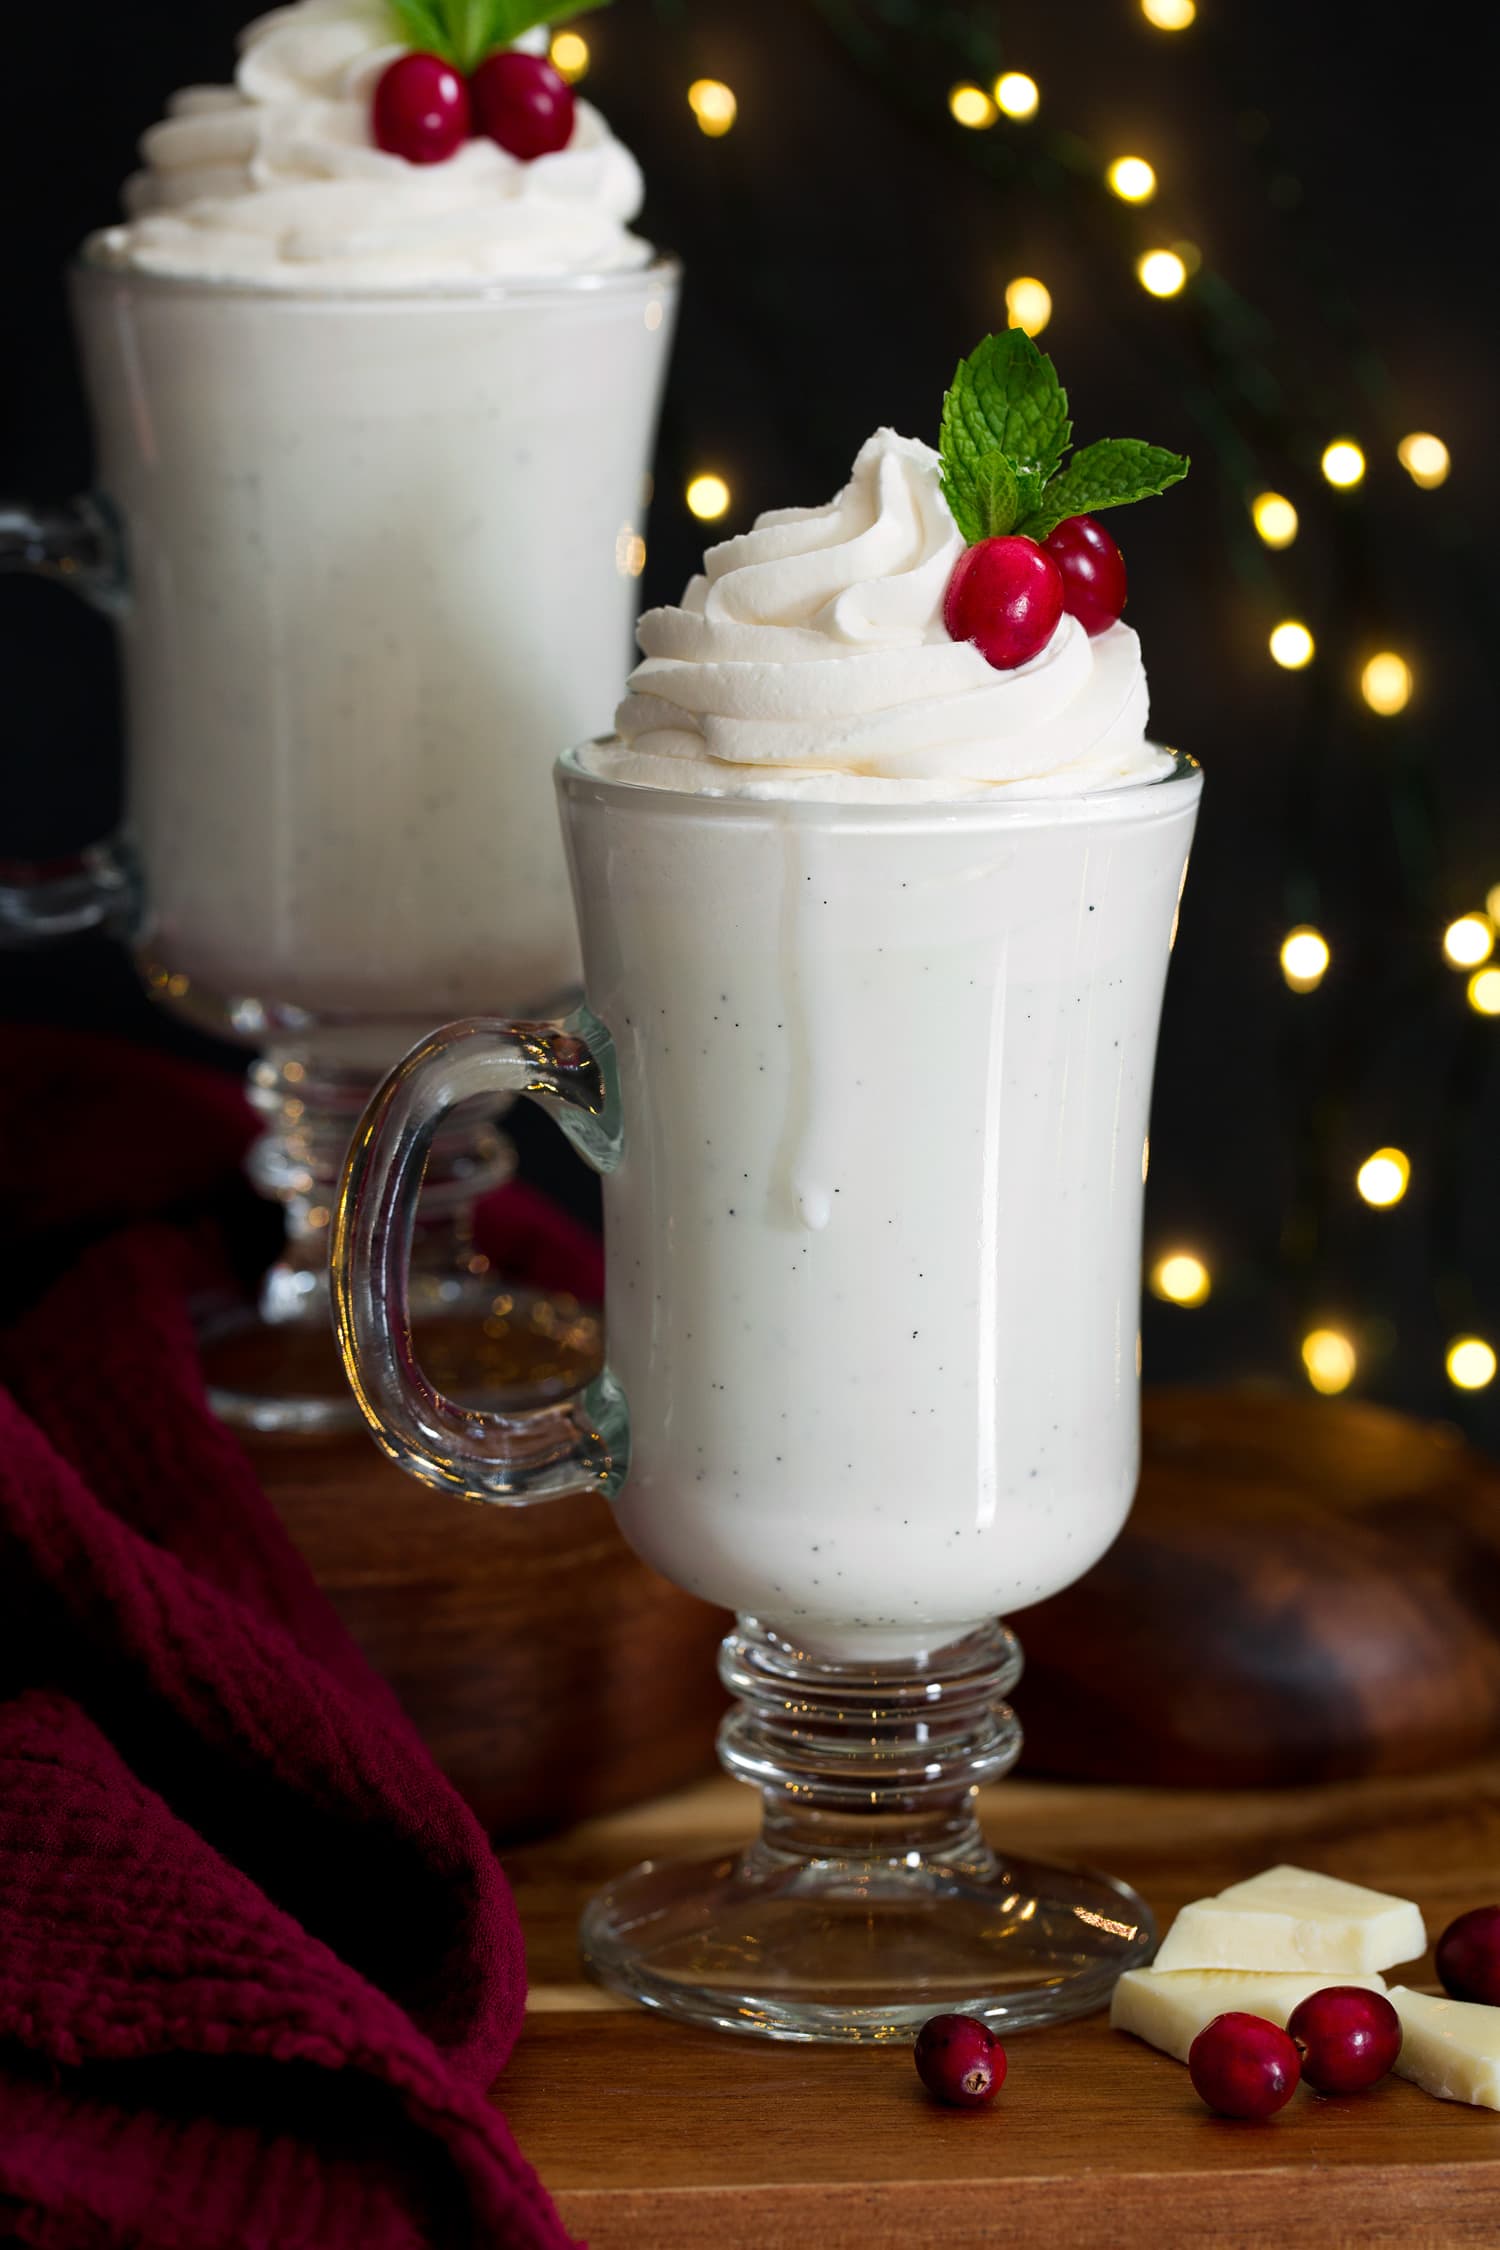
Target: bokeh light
(1304, 958)
(1343, 463)
(570, 56)
(1169, 15)
(1383, 1178)
(708, 497)
(1028, 303)
(1424, 458)
(1274, 518)
(972, 106)
(1471, 1363)
(1469, 940)
(1386, 683)
(1484, 992)
(1017, 94)
(714, 106)
(1292, 645)
(1131, 179)
(1180, 1278)
(1330, 1360)
(1161, 273)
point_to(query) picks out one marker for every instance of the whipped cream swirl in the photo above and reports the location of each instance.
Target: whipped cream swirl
(276, 180)
(811, 659)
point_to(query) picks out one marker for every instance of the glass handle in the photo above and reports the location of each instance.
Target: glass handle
(76, 542)
(509, 1459)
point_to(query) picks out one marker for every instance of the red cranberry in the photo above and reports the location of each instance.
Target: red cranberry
(1468, 1956)
(1347, 2038)
(421, 109)
(524, 104)
(1243, 2066)
(1006, 597)
(960, 2061)
(1093, 572)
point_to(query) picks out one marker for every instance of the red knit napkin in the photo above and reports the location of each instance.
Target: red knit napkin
(258, 1966)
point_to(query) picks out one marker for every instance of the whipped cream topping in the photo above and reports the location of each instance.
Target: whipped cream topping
(276, 180)
(811, 659)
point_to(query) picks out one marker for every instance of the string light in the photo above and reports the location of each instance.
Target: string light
(714, 106)
(1484, 992)
(1492, 904)
(1343, 463)
(1469, 940)
(1169, 15)
(1131, 179)
(1386, 683)
(1161, 273)
(1330, 1360)
(708, 497)
(1471, 1363)
(1304, 958)
(1383, 1178)
(1292, 645)
(1028, 303)
(972, 106)
(1424, 458)
(1274, 518)
(1181, 1279)
(1017, 94)
(570, 56)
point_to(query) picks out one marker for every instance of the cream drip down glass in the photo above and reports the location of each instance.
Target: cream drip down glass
(865, 1064)
(372, 448)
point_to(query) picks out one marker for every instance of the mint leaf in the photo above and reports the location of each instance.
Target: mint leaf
(1110, 474)
(1006, 398)
(995, 488)
(463, 32)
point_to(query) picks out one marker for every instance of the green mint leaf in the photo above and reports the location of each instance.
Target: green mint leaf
(1110, 474)
(463, 32)
(995, 488)
(1005, 398)
(422, 27)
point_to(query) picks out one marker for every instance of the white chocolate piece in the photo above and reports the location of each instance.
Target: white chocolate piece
(1290, 1919)
(1168, 2008)
(1450, 2048)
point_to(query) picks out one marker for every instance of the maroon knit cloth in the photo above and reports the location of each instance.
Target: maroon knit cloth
(258, 1965)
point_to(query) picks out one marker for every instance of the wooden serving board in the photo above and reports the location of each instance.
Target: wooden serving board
(655, 2137)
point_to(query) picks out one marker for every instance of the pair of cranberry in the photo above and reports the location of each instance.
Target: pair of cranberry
(425, 112)
(1341, 2040)
(1007, 594)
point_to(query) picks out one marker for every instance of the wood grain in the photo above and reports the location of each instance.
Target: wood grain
(655, 2137)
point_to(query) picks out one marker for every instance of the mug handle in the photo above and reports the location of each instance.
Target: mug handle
(76, 543)
(540, 1453)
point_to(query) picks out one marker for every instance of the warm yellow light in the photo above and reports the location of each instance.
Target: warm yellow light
(570, 56)
(714, 106)
(1492, 904)
(1161, 273)
(1274, 518)
(1424, 458)
(1169, 15)
(708, 497)
(1291, 645)
(1304, 958)
(1471, 1363)
(630, 552)
(1385, 683)
(1180, 1279)
(1469, 940)
(1028, 303)
(1343, 463)
(972, 106)
(1017, 94)
(1330, 1360)
(1484, 992)
(1383, 1178)
(1131, 179)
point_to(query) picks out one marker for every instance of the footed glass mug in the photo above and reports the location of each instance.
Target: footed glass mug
(372, 559)
(869, 1088)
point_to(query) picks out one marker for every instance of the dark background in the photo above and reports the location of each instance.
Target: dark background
(845, 244)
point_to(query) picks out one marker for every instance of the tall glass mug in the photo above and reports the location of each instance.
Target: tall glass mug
(869, 1088)
(374, 558)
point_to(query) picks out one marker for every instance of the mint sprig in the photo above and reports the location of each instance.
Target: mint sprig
(1005, 434)
(463, 32)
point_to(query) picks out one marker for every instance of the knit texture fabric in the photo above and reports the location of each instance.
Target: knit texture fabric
(258, 1965)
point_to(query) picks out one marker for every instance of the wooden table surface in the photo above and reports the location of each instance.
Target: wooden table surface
(656, 2137)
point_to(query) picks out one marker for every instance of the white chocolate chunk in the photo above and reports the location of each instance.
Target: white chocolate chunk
(1450, 2048)
(1168, 2008)
(1292, 1919)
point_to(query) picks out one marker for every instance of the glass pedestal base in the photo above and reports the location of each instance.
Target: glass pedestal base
(870, 1901)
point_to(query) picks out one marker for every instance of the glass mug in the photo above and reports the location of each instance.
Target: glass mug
(373, 559)
(868, 1086)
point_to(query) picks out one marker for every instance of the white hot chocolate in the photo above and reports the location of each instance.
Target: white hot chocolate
(880, 935)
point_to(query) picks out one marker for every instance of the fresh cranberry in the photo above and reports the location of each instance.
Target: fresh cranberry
(960, 2061)
(421, 109)
(524, 104)
(1347, 2038)
(1005, 596)
(1468, 1956)
(1243, 2066)
(1093, 572)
